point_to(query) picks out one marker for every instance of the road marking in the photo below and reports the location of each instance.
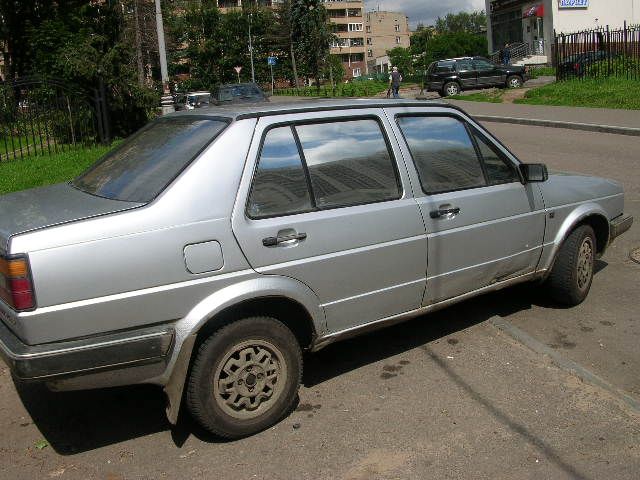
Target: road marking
(567, 365)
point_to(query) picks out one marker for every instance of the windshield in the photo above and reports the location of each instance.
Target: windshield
(144, 164)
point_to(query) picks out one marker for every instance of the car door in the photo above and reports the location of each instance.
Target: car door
(483, 225)
(324, 200)
(466, 73)
(488, 73)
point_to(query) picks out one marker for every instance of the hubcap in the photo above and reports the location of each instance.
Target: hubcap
(452, 90)
(515, 83)
(250, 378)
(585, 263)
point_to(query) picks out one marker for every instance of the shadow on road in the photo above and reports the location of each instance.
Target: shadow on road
(74, 422)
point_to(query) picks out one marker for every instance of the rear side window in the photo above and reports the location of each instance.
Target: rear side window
(144, 164)
(320, 166)
(464, 65)
(499, 169)
(279, 185)
(445, 67)
(443, 153)
(349, 163)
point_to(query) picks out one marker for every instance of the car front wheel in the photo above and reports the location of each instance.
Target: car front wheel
(572, 273)
(514, 81)
(451, 88)
(245, 377)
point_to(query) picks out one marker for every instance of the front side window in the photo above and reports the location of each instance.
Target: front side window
(499, 169)
(443, 153)
(279, 184)
(483, 65)
(141, 167)
(349, 163)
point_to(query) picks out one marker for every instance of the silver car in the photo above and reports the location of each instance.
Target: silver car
(206, 252)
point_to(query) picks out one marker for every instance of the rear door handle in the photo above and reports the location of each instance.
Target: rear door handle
(275, 241)
(444, 212)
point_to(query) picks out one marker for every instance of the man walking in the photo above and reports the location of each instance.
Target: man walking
(394, 82)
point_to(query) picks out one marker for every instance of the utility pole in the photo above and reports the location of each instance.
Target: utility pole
(166, 101)
(253, 73)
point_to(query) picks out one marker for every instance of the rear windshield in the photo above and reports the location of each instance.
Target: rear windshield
(141, 167)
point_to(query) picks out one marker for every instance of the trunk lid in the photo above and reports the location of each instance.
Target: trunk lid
(43, 207)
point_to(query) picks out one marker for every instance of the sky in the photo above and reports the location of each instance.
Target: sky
(425, 11)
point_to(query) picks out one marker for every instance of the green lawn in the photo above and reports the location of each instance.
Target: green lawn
(35, 171)
(609, 92)
(491, 96)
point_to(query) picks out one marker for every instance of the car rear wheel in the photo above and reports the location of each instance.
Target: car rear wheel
(450, 88)
(572, 273)
(245, 377)
(514, 81)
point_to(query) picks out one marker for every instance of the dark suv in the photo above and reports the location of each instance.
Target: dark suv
(450, 77)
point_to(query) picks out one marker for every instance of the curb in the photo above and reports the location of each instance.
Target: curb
(587, 127)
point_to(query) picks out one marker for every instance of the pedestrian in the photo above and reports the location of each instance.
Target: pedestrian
(506, 54)
(394, 82)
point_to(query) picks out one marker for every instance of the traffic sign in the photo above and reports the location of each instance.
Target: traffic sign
(272, 60)
(237, 69)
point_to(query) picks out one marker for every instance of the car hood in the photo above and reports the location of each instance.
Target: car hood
(52, 205)
(564, 187)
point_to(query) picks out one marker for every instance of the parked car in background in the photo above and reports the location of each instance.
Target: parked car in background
(451, 76)
(235, 93)
(197, 100)
(576, 64)
(206, 252)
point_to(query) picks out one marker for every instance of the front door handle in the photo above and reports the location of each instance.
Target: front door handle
(275, 241)
(444, 212)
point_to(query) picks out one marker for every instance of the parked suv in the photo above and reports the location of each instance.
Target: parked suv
(206, 252)
(450, 77)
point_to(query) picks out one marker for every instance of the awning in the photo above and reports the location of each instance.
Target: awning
(535, 11)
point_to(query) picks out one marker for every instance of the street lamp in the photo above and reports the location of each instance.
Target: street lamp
(166, 101)
(253, 73)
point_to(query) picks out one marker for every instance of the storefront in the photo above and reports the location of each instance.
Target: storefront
(533, 22)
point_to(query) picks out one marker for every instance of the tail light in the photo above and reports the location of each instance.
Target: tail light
(576, 66)
(16, 287)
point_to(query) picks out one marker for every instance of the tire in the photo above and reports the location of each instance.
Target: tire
(572, 273)
(245, 377)
(514, 81)
(450, 88)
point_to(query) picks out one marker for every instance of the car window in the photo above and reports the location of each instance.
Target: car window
(279, 185)
(479, 64)
(499, 169)
(348, 162)
(139, 168)
(464, 65)
(445, 67)
(443, 153)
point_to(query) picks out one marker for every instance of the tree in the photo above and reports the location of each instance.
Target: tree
(401, 57)
(314, 34)
(474, 22)
(284, 35)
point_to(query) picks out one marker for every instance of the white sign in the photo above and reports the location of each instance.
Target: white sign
(573, 3)
(237, 69)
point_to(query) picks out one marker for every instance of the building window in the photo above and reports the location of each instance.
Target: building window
(355, 27)
(397, 28)
(357, 72)
(369, 41)
(368, 28)
(369, 53)
(398, 40)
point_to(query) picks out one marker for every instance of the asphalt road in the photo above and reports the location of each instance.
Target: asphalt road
(446, 395)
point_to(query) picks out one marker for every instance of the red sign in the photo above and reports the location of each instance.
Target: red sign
(535, 11)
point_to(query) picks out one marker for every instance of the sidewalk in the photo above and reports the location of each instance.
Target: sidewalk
(575, 115)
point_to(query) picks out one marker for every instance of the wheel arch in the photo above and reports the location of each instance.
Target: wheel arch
(290, 301)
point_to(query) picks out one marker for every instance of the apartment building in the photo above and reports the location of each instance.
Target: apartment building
(384, 31)
(348, 16)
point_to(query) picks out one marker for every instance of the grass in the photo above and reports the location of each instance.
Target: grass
(35, 171)
(492, 96)
(535, 72)
(354, 89)
(611, 92)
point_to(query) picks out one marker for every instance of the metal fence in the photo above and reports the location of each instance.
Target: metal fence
(44, 116)
(598, 53)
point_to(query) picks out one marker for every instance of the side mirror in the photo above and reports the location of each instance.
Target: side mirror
(534, 172)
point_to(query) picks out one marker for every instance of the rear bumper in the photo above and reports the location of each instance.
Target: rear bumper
(132, 354)
(619, 225)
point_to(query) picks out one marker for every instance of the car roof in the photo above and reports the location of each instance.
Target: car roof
(241, 111)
